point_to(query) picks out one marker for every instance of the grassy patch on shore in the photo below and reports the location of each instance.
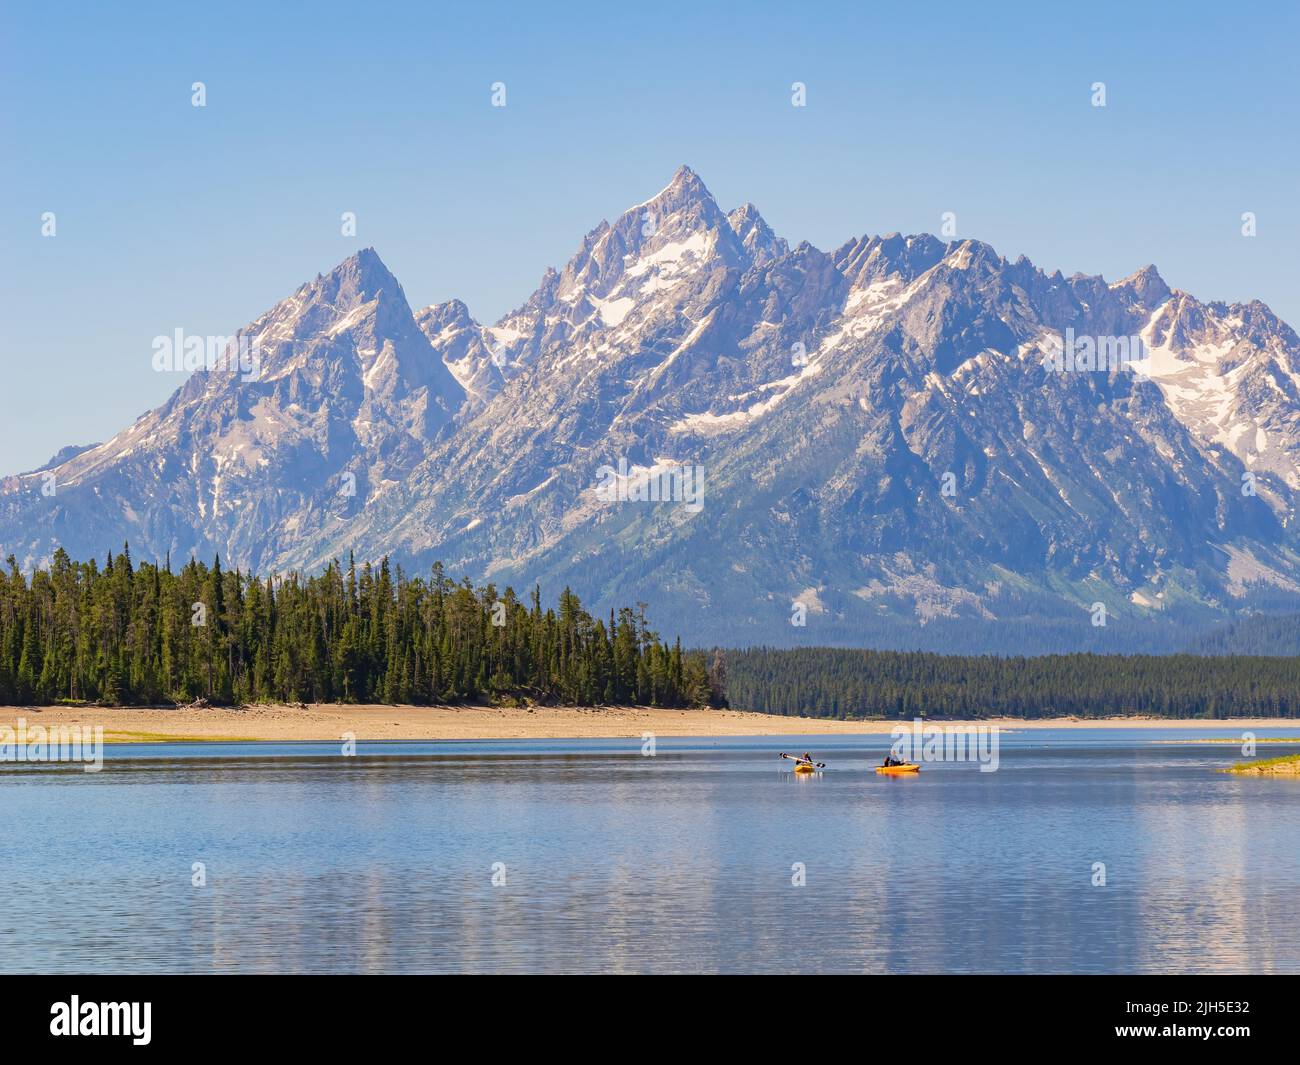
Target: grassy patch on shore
(1234, 740)
(1287, 765)
(168, 737)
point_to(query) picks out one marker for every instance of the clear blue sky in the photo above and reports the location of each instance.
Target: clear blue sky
(173, 217)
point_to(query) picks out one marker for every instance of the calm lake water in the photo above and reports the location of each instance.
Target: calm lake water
(677, 863)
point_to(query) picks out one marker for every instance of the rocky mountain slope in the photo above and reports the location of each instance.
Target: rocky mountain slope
(871, 445)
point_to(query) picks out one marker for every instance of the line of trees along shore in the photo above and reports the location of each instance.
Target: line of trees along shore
(843, 683)
(126, 634)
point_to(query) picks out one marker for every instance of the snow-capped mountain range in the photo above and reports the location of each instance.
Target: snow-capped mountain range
(885, 451)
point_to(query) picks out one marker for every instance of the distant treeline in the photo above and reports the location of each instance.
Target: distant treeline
(827, 682)
(142, 634)
(1277, 634)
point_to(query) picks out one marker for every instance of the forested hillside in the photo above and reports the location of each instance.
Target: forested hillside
(126, 634)
(828, 682)
(1270, 634)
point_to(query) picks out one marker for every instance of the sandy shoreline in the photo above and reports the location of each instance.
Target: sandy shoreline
(369, 722)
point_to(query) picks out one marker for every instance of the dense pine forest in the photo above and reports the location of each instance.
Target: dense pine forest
(125, 634)
(826, 682)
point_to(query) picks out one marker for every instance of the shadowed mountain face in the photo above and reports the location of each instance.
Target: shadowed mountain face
(903, 442)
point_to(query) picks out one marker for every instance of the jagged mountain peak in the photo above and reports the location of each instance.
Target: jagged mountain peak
(359, 288)
(682, 211)
(450, 313)
(682, 207)
(756, 235)
(868, 259)
(360, 304)
(465, 348)
(686, 186)
(1147, 286)
(970, 254)
(827, 396)
(364, 259)
(653, 257)
(362, 272)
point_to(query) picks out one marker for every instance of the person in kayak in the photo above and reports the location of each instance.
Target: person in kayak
(891, 760)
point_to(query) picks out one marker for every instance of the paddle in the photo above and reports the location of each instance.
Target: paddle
(803, 761)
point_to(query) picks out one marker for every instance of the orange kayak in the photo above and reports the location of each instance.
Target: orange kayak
(898, 770)
(804, 767)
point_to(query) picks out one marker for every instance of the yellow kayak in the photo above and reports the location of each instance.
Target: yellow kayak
(898, 770)
(804, 767)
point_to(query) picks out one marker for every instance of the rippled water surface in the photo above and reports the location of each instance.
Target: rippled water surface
(680, 862)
